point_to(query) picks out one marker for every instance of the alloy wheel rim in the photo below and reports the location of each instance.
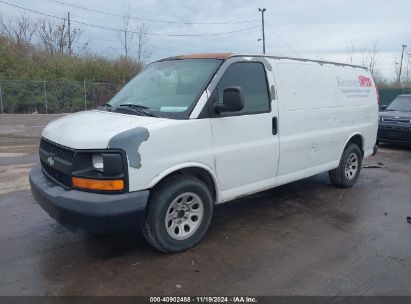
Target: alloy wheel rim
(184, 216)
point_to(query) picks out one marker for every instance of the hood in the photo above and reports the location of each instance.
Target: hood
(395, 114)
(93, 129)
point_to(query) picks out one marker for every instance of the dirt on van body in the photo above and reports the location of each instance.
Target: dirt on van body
(305, 238)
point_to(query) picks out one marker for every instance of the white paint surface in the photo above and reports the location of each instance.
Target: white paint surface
(316, 119)
(92, 129)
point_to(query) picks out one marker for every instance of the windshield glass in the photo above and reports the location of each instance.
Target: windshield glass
(167, 88)
(401, 103)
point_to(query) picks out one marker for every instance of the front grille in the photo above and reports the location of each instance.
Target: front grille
(394, 135)
(57, 151)
(397, 120)
(395, 127)
(58, 176)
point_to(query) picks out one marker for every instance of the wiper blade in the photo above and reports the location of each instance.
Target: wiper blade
(105, 107)
(133, 105)
(140, 109)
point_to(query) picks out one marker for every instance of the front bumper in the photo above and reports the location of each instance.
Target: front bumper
(93, 212)
(387, 133)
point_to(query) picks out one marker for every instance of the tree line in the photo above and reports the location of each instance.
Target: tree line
(50, 51)
(46, 49)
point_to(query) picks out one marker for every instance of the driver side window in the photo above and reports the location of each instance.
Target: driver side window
(251, 77)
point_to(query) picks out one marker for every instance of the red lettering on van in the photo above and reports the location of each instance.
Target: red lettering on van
(364, 81)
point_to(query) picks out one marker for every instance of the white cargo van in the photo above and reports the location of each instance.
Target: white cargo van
(193, 131)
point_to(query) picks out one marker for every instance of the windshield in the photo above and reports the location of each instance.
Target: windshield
(401, 103)
(167, 88)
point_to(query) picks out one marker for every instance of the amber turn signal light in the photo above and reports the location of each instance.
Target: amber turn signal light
(98, 184)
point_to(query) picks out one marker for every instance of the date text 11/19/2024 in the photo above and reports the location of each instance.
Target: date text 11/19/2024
(203, 299)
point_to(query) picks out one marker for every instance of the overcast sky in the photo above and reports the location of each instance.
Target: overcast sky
(318, 29)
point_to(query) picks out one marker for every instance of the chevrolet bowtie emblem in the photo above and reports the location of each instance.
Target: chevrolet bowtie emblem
(50, 160)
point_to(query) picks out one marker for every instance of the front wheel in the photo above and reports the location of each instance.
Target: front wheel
(348, 171)
(178, 213)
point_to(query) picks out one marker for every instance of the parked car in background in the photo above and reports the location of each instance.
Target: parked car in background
(193, 131)
(395, 121)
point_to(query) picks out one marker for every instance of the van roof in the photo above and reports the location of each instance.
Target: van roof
(224, 56)
(202, 56)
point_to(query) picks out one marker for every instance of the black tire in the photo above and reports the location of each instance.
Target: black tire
(161, 198)
(338, 176)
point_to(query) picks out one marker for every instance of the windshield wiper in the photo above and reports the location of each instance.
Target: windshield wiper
(105, 107)
(140, 109)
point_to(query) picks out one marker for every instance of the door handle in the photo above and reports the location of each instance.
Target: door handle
(275, 125)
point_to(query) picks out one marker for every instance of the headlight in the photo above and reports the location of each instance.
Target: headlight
(98, 162)
(100, 170)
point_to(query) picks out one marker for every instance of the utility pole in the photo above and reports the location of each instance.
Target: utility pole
(45, 96)
(262, 26)
(1, 99)
(402, 57)
(408, 70)
(69, 33)
(85, 95)
(125, 44)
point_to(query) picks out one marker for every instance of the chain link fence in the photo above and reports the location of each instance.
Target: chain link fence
(53, 97)
(47, 97)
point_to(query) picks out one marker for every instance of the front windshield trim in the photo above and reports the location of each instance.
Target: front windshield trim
(184, 114)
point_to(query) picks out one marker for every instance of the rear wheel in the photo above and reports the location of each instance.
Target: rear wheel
(349, 168)
(178, 213)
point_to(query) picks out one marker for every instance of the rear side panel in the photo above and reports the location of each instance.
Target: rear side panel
(307, 101)
(357, 109)
(321, 107)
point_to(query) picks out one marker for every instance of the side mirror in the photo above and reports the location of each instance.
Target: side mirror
(383, 107)
(233, 101)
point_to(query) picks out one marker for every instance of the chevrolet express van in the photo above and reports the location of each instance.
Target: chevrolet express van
(193, 131)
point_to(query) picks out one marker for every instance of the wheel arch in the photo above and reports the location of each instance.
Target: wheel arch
(199, 170)
(357, 139)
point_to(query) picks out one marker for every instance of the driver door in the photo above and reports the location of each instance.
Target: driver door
(245, 142)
